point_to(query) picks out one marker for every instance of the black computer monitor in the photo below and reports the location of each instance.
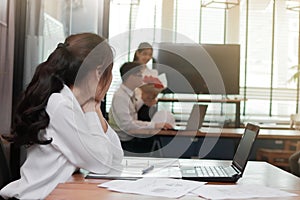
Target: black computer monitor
(199, 69)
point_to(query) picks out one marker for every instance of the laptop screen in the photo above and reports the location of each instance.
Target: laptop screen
(245, 146)
(196, 117)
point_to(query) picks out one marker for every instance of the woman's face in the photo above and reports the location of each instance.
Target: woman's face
(144, 55)
(103, 84)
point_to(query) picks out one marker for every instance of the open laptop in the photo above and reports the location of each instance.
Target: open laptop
(133, 167)
(195, 120)
(225, 173)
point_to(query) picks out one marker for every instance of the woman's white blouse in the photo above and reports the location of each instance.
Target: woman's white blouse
(79, 141)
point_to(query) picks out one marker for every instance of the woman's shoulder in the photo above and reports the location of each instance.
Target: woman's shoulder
(61, 99)
(65, 99)
(55, 100)
(55, 97)
(64, 95)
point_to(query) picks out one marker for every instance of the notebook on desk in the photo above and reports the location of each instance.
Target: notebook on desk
(195, 120)
(134, 168)
(225, 173)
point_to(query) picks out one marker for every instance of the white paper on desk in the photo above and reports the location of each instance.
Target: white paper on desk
(135, 173)
(132, 169)
(163, 187)
(239, 192)
(143, 162)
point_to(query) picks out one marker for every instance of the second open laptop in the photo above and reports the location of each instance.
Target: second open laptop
(196, 118)
(229, 173)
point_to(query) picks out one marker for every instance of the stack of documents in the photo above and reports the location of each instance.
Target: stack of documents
(163, 187)
(239, 191)
(175, 188)
(133, 169)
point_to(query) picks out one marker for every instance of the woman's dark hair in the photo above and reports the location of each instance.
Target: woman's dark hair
(142, 46)
(61, 67)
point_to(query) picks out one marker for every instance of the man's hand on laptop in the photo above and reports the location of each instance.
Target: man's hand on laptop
(163, 126)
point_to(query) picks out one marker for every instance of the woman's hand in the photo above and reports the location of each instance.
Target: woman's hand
(100, 115)
(89, 105)
(94, 106)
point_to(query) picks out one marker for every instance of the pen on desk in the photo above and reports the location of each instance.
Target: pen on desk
(148, 169)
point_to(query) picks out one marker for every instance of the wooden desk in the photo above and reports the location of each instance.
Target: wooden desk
(237, 103)
(258, 173)
(224, 133)
(228, 138)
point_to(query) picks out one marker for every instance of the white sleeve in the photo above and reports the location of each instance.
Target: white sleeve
(123, 113)
(80, 137)
(114, 138)
(139, 101)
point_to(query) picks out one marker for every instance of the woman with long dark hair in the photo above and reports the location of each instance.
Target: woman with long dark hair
(147, 100)
(59, 119)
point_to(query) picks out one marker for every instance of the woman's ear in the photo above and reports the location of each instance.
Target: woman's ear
(98, 72)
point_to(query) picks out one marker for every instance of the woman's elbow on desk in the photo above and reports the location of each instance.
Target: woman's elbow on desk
(101, 165)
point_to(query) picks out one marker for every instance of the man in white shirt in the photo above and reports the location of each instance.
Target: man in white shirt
(123, 112)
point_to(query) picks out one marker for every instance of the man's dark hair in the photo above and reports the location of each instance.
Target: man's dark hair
(130, 68)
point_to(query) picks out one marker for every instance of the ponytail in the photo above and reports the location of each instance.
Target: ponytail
(31, 115)
(60, 68)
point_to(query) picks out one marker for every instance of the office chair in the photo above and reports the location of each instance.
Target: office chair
(5, 176)
(279, 157)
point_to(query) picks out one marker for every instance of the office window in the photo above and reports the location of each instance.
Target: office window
(50, 22)
(123, 20)
(286, 35)
(269, 47)
(212, 26)
(186, 19)
(259, 55)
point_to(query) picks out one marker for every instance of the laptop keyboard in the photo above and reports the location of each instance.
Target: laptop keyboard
(210, 171)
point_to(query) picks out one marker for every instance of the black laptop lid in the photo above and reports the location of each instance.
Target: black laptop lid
(245, 146)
